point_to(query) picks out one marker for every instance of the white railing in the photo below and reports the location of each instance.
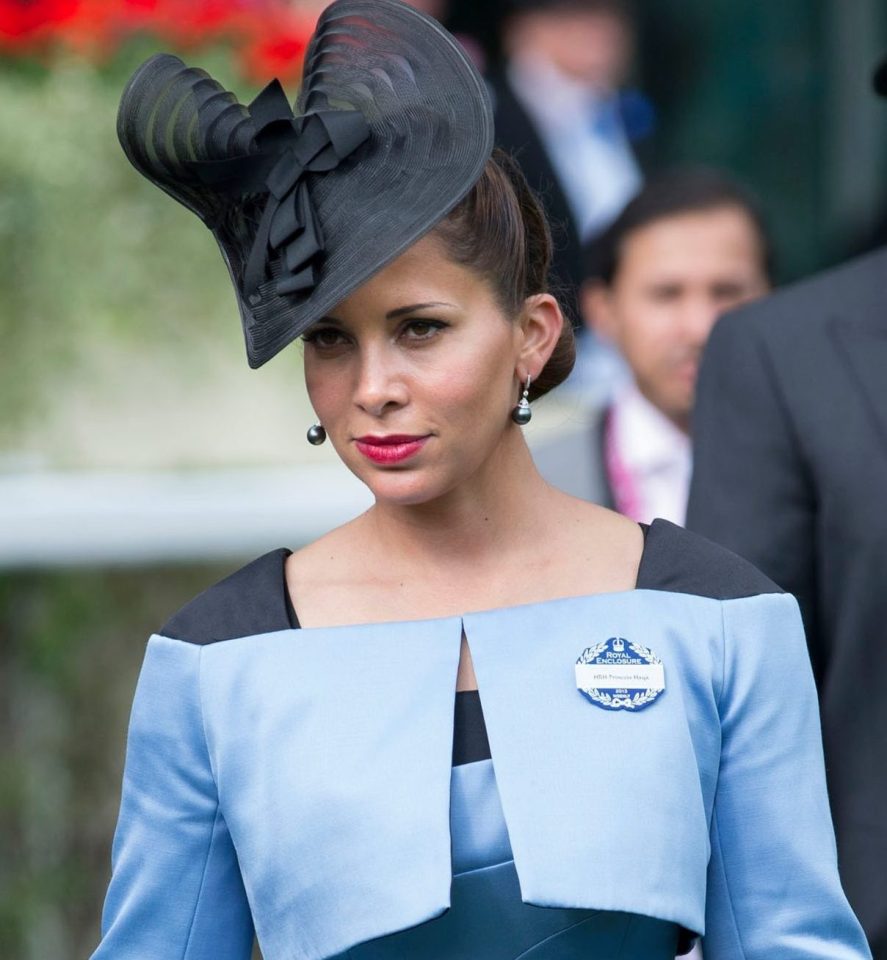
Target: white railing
(64, 518)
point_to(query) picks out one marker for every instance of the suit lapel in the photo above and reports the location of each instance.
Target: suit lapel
(516, 133)
(863, 348)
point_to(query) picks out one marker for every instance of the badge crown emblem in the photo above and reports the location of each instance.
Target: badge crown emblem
(618, 644)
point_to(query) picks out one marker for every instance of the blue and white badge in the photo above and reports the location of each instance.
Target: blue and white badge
(620, 675)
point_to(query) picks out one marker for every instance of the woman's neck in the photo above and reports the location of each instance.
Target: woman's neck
(499, 509)
(504, 537)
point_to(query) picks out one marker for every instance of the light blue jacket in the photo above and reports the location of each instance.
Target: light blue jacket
(300, 780)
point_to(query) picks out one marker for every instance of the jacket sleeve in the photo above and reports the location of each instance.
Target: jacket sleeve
(175, 890)
(751, 489)
(773, 887)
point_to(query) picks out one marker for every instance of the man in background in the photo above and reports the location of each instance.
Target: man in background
(560, 111)
(689, 246)
(791, 472)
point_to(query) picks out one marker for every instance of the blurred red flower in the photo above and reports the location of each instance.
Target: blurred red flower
(25, 22)
(275, 43)
(268, 37)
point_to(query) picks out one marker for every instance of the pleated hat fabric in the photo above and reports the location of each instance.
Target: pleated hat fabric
(392, 128)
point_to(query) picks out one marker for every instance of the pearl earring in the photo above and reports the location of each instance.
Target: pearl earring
(522, 414)
(316, 435)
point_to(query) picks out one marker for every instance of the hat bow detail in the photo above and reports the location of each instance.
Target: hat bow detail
(287, 148)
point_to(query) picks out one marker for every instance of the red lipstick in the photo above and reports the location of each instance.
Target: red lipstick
(390, 449)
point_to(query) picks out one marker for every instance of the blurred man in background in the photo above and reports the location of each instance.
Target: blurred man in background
(791, 472)
(559, 110)
(689, 246)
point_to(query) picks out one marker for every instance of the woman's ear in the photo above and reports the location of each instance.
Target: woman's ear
(596, 308)
(540, 322)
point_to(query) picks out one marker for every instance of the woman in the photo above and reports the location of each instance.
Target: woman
(293, 760)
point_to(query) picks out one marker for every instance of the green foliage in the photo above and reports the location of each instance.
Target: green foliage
(70, 648)
(89, 250)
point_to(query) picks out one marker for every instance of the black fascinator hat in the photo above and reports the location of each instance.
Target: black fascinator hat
(392, 128)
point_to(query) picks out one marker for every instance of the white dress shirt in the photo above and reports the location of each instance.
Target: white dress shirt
(656, 455)
(596, 169)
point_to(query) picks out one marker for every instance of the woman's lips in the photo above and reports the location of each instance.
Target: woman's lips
(391, 449)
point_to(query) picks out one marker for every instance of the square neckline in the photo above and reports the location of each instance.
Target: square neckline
(294, 624)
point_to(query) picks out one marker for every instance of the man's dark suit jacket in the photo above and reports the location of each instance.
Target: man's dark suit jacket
(791, 472)
(575, 460)
(516, 134)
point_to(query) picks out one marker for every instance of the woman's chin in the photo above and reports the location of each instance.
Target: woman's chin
(404, 488)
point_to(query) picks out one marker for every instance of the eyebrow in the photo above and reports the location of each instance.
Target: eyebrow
(397, 312)
(413, 307)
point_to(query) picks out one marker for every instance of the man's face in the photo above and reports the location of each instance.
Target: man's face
(675, 277)
(594, 47)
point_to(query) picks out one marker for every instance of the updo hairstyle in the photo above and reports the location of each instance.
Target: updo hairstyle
(500, 231)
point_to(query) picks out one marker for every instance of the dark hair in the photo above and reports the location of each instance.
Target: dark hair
(500, 231)
(668, 195)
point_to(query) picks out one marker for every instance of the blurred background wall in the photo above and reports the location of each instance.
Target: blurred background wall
(140, 459)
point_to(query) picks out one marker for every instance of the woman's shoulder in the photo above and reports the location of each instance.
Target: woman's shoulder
(251, 601)
(666, 557)
(679, 561)
(255, 600)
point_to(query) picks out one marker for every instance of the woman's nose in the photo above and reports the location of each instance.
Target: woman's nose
(380, 384)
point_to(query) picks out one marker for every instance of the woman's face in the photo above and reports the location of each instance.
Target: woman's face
(414, 376)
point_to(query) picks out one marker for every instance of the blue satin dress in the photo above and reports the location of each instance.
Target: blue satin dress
(487, 918)
(304, 785)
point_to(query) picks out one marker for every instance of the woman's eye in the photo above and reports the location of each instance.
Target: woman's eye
(325, 338)
(422, 329)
